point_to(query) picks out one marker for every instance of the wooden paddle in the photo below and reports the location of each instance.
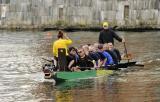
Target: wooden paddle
(127, 56)
(110, 67)
(48, 60)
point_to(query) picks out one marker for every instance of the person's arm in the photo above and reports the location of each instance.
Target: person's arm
(100, 38)
(110, 59)
(68, 40)
(118, 54)
(104, 62)
(71, 64)
(95, 64)
(116, 36)
(99, 63)
(65, 36)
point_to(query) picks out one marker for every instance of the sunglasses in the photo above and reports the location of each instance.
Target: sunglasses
(79, 51)
(110, 45)
(90, 51)
(73, 50)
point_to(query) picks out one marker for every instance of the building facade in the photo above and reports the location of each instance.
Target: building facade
(83, 13)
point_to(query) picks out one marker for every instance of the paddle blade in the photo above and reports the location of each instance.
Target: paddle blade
(127, 57)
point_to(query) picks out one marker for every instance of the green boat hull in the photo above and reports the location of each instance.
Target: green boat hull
(81, 74)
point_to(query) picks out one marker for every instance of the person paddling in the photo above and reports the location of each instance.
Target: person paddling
(111, 52)
(83, 62)
(107, 58)
(115, 51)
(107, 35)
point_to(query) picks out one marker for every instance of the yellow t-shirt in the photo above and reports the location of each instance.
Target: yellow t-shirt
(61, 43)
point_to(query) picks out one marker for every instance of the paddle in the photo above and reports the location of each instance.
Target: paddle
(92, 68)
(109, 67)
(48, 60)
(128, 56)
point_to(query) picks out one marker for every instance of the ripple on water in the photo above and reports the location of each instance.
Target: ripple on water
(22, 81)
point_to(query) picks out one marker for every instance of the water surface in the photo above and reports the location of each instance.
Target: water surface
(21, 79)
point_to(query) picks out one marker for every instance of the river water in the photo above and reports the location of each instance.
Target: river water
(21, 79)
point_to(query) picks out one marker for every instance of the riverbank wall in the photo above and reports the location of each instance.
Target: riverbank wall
(79, 14)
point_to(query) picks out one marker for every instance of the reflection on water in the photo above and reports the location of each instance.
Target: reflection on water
(21, 78)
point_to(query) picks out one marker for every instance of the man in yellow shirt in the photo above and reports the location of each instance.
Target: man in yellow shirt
(62, 42)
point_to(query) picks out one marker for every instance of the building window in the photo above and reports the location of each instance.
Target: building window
(126, 11)
(4, 1)
(7, 1)
(60, 12)
(157, 4)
